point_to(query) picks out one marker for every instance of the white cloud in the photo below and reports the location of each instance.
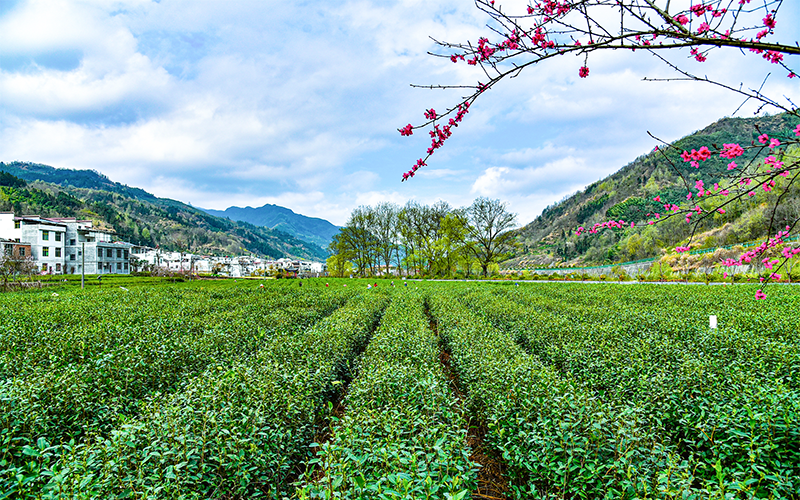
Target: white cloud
(110, 70)
(563, 174)
(440, 173)
(528, 207)
(297, 103)
(360, 180)
(526, 156)
(41, 25)
(491, 181)
(372, 198)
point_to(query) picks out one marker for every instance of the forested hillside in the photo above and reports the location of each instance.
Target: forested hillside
(628, 195)
(137, 216)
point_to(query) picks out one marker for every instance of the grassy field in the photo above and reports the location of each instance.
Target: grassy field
(145, 388)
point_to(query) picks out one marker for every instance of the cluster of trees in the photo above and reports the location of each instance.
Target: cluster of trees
(431, 240)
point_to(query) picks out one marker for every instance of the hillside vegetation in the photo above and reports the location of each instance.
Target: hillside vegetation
(136, 215)
(628, 195)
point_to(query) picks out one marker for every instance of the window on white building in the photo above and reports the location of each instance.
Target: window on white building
(16, 224)
(45, 251)
(58, 267)
(46, 235)
(58, 251)
(58, 236)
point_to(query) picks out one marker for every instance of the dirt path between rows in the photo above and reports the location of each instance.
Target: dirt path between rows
(492, 480)
(325, 434)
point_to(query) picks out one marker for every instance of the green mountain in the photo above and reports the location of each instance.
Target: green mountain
(138, 216)
(628, 195)
(89, 179)
(317, 231)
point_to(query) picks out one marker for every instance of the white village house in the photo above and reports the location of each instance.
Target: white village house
(236, 266)
(65, 245)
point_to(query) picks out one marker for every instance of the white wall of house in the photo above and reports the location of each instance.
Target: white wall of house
(8, 229)
(108, 258)
(47, 243)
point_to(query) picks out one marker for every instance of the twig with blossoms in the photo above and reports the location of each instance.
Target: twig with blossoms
(742, 183)
(551, 28)
(788, 252)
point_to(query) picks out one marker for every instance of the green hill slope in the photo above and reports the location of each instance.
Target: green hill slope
(137, 216)
(628, 194)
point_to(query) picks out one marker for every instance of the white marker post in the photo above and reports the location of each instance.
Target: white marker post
(712, 321)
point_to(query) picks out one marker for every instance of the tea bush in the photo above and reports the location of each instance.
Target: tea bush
(403, 434)
(724, 402)
(225, 390)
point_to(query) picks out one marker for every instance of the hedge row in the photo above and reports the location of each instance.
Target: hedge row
(557, 438)
(403, 434)
(239, 431)
(723, 401)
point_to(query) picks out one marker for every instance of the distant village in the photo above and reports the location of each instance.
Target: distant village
(72, 246)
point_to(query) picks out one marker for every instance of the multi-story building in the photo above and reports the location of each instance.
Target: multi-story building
(45, 237)
(66, 245)
(103, 255)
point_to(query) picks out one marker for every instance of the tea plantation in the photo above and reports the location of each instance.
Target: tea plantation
(229, 389)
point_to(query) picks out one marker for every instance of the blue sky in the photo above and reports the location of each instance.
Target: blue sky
(297, 102)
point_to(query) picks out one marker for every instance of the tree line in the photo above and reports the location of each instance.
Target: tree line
(430, 240)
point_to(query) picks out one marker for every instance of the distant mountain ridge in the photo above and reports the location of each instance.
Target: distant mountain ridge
(89, 179)
(138, 216)
(313, 229)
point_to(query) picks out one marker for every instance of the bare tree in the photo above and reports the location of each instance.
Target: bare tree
(385, 222)
(14, 267)
(489, 227)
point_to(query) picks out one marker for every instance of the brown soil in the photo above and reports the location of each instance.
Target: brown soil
(492, 480)
(324, 434)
